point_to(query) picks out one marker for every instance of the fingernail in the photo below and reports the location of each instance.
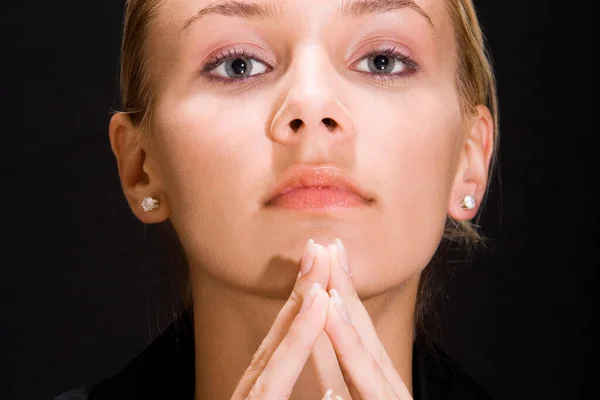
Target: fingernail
(343, 256)
(339, 305)
(308, 259)
(328, 395)
(308, 300)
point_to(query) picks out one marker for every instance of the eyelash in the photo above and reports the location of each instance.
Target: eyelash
(411, 66)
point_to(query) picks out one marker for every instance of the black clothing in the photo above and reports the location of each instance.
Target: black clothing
(165, 370)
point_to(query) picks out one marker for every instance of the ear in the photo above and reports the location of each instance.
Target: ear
(138, 178)
(473, 164)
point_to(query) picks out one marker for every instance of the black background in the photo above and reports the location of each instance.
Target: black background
(84, 286)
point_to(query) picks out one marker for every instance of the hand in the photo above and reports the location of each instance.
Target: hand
(279, 360)
(366, 366)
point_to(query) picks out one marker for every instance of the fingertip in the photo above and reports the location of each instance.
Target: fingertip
(322, 250)
(318, 310)
(321, 270)
(314, 268)
(311, 247)
(322, 296)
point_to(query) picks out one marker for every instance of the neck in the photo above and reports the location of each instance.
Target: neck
(229, 326)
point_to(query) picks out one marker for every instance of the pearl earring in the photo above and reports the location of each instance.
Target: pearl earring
(150, 204)
(467, 203)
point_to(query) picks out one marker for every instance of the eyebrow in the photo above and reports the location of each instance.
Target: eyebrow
(361, 8)
(351, 9)
(236, 9)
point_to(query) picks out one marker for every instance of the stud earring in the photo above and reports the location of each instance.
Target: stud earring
(150, 204)
(467, 203)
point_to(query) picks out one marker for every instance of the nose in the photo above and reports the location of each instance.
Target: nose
(312, 107)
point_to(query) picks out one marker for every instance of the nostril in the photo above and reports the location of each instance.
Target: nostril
(296, 124)
(329, 123)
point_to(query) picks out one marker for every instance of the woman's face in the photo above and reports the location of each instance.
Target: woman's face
(250, 91)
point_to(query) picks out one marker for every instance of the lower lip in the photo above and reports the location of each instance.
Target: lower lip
(315, 199)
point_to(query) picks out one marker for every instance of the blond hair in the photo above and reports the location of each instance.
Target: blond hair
(476, 85)
(137, 91)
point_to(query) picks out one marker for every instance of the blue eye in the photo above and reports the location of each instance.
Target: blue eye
(238, 67)
(382, 64)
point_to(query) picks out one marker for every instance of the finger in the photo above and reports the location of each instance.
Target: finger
(362, 372)
(328, 395)
(279, 377)
(341, 279)
(314, 269)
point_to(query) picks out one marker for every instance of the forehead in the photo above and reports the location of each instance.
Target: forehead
(176, 16)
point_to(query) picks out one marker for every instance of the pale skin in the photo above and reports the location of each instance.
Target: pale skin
(213, 150)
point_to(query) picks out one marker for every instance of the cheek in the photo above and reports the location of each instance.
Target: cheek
(408, 142)
(212, 158)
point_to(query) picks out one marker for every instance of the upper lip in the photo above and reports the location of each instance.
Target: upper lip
(307, 176)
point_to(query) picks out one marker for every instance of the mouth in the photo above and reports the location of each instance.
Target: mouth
(322, 188)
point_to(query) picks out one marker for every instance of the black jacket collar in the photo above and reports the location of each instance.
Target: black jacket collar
(165, 370)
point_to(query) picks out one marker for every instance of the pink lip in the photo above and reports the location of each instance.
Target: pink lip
(317, 188)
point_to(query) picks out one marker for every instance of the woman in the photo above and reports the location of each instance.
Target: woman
(311, 157)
